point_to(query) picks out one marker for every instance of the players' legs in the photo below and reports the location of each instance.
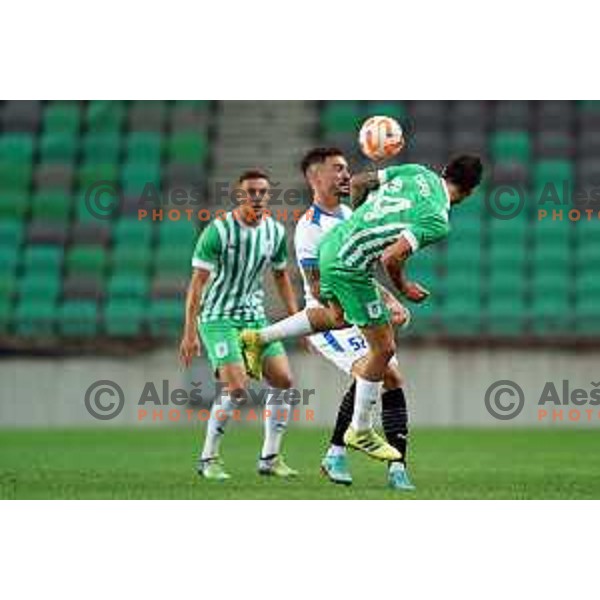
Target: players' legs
(370, 371)
(235, 380)
(305, 322)
(277, 372)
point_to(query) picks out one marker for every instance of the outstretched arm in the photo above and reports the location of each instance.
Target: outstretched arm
(394, 259)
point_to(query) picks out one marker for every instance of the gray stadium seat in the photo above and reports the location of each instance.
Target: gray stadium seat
(512, 115)
(54, 176)
(169, 288)
(554, 144)
(47, 233)
(189, 119)
(93, 233)
(554, 115)
(83, 288)
(469, 115)
(21, 115)
(512, 173)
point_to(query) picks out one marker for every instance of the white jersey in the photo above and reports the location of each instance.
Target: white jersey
(311, 228)
(343, 347)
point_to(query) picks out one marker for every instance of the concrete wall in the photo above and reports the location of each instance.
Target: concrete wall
(444, 387)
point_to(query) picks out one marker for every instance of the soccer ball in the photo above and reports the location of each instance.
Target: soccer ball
(381, 138)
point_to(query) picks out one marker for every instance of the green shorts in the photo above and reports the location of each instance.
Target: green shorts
(221, 340)
(355, 291)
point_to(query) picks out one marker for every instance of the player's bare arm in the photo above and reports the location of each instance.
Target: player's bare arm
(285, 290)
(398, 312)
(190, 344)
(394, 259)
(313, 277)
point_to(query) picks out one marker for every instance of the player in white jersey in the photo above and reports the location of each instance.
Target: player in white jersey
(327, 174)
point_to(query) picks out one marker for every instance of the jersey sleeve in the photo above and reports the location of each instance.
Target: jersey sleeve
(427, 230)
(280, 253)
(207, 254)
(387, 174)
(306, 242)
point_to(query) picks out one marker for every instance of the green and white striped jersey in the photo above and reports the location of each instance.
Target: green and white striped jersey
(411, 201)
(237, 255)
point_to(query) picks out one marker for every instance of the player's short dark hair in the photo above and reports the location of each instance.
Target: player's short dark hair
(317, 156)
(253, 174)
(464, 171)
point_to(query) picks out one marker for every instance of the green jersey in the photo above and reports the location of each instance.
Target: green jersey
(411, 201)
(237, 255)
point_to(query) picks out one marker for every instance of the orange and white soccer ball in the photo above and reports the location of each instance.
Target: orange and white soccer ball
(381, 138)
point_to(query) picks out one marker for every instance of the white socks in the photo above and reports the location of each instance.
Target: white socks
(295, 326)
(366, 396)
(219, 415)
(275, 427)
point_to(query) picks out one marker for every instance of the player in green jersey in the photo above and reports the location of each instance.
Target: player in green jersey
(406, 209)
(225, 296)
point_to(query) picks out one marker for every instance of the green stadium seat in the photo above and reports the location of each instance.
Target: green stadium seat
(11, 232)
(174, 260)
(587, 283)
(124, 284)
(79, 318)
(105, 115)
(14, 205)
(8, 284)
(136, 176)
(87, 260)
(131, 259)
(40, 285)
(59, 147)
(35, 317)
(460, 282)
(553, 171)
(504, 315)
(16, 148)
(103, 148)
(144, 147)
(124, 317)
(188, 148)
(461, 313)
(91, 174)
(178, 231)
(341, 116)
(51, 205)
(508, 279)
(467, 256)
(133, 232)
(501, 254)
(62, 117)
(426, 317)
(15, 178)
(42, 258)
(511, 146)
(6, 313)
(165, 317)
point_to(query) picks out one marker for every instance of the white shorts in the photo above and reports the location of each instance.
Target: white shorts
(343, 347)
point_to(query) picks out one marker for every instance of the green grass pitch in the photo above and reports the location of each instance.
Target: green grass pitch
(159, 463)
